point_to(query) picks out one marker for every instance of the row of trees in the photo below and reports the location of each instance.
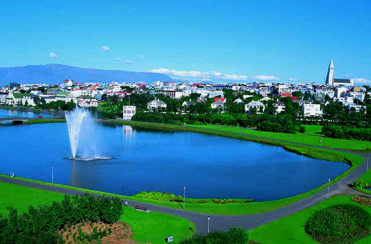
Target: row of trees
(40, 225)
(335, 131)
(281, 123)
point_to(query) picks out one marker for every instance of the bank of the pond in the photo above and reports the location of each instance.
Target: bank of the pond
(308, 139)
(42, 121)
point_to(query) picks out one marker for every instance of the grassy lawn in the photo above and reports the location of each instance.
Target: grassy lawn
(41, 121)
(309, 137)
(290, 229)
(147, 227)
(313, 130)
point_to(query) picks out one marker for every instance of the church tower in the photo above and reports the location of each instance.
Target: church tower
(330, 74)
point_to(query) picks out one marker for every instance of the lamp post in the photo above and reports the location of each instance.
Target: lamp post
(328, 188)
(184, 188)
(52, 174)
(208, 224)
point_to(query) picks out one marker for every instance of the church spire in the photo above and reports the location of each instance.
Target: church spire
(330, 74)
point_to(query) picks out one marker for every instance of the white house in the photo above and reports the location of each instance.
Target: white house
(238, 100)
(310, 109)
(280, 106)
(218, 105)
(155, 105)
(128, 112)
(259, 106)
(87, 102)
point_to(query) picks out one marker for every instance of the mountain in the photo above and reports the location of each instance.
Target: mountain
(57, 73)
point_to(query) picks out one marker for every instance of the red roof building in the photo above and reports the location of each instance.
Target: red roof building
(222, 99)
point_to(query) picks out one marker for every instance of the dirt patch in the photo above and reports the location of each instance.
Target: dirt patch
(85, 232)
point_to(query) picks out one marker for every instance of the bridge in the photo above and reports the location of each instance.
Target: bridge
(14, 120)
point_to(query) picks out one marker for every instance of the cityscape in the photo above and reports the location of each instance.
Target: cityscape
(196, 122)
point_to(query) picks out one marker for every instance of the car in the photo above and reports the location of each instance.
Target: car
(39, 117)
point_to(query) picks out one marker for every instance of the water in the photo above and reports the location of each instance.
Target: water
(209, 166)
(5, 113)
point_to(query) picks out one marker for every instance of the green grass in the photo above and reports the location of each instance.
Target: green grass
(147, 227)
(365, 179)
(21, 197)
(290, 229)
(41, 121)
(154, 227)
(308, 138)
(313, 130)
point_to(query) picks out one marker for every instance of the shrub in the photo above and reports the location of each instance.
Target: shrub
(234, 235)
(343, 223)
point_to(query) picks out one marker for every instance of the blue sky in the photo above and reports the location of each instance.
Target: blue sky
(285, 40)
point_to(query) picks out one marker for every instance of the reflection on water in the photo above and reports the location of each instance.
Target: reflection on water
(128, 131)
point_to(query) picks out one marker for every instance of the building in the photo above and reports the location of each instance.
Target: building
(156, 105)
(330, 74)
(220, 105)
(259, 106)
(87, 101)
(331, 81)
(280, 106)
(310, 109)
(3, 96)
(128, 112)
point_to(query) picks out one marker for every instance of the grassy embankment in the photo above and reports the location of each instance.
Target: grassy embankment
(147, 227)
(365, 179)
(42, 121)
(290, 229)
(309, 138)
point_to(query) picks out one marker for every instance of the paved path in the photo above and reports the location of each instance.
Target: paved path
(222, 222)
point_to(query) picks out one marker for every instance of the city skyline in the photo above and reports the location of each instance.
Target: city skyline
(280, 42)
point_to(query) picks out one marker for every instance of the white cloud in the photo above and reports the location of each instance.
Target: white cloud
(361, 80)
(105, 48)
(53, 55)
(292, 79)
(128, 61)
(266, 77)
(194, 74)
(118, 59)
(140, 56)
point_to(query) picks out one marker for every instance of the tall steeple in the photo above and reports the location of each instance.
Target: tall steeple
(330, 74)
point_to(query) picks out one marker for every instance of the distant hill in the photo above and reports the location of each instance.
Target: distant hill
(57, 73)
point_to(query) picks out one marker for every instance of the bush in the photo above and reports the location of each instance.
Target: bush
(234, 235)
(343, 223)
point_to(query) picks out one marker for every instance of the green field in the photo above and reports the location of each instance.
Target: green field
(290, 229)
(42, 121)
(309, 138)
(147, 227)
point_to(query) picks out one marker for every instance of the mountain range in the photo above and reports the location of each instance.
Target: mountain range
(57, 73)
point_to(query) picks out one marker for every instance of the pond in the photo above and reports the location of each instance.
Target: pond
(154, 160)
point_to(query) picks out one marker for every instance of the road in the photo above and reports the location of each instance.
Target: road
(223, 222)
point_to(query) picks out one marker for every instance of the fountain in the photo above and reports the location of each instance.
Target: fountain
(81, 131)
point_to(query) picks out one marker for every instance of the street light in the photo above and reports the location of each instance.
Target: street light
(52, 174)
(208, 224)
(328, 188)
(184, 196)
